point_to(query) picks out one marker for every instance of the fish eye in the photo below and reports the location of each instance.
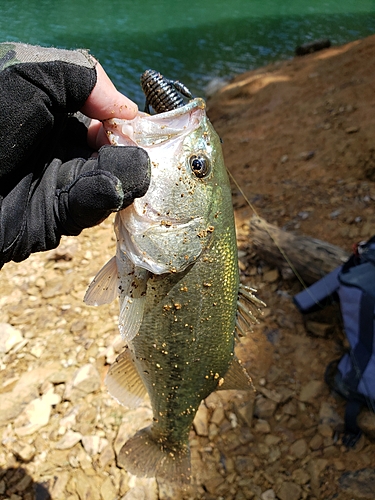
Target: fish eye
(200, 165)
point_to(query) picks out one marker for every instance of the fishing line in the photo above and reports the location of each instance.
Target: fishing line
(282, 252)
(369, 401)
(288, 261)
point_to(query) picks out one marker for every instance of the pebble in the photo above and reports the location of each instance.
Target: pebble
(91, 444)
(70, 439)
(311, 391)
(85, 381)
(289, 491)
(268, 495)
(9, 337)
(262, 427)
(366, 421)
(299, 448)
(201, 421)
(264, 408)
(36, 414)
(23, 451)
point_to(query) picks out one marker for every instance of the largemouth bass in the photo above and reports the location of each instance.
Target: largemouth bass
(176, 275)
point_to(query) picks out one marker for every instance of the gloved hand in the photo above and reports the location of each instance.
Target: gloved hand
(49, 183)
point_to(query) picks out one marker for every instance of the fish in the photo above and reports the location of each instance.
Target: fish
(181, 305)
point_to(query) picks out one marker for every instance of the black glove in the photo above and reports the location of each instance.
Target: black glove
(49, 184)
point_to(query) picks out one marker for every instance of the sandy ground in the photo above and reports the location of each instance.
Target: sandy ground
(298, 137)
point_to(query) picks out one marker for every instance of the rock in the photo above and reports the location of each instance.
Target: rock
(58, 486)
(86, 486)
(36, 414)
(70, 439)
(299, 448)
(262, 427)
(325, 430)
(132, 421)
(271, 276)
(289, 491)
(85, 381)
(23, 451)
(244, 464)
(366, 421)
(300, 476)
(323, 330)
(141, 489)
(311, 391)
(360, 483)
(329, 416)
(201, 421)
(264, 408)
(316, 442)
(107, 456)
(352, 130)
(108, 490)
(314, 468)
(9, 337)
(268, 495)
(245, 412)
(91, 444)
(217, 416)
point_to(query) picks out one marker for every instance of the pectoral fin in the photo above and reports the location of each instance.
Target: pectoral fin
(103, 288)
(123, 381)
(133, 304)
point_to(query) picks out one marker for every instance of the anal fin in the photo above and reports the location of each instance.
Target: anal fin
(236, 378)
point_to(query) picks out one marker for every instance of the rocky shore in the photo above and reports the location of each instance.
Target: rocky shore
(299, 138)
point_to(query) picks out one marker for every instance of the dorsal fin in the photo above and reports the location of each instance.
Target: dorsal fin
(123, 381)
(248, 310)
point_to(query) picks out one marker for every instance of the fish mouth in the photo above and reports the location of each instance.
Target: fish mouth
(151, 130)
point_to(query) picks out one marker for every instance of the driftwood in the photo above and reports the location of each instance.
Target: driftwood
(310, 257)
(309, 48)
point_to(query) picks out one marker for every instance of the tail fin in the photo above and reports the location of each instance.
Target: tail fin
(145, 456)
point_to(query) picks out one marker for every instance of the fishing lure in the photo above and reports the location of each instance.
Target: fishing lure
(162, 94)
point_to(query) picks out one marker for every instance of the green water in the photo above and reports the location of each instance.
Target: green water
(192, 40)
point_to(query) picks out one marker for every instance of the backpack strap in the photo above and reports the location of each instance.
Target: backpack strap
(319, 294)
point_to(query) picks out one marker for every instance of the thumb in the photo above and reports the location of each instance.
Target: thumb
(105, 101)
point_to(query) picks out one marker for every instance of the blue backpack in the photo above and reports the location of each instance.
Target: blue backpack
(352, 376)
